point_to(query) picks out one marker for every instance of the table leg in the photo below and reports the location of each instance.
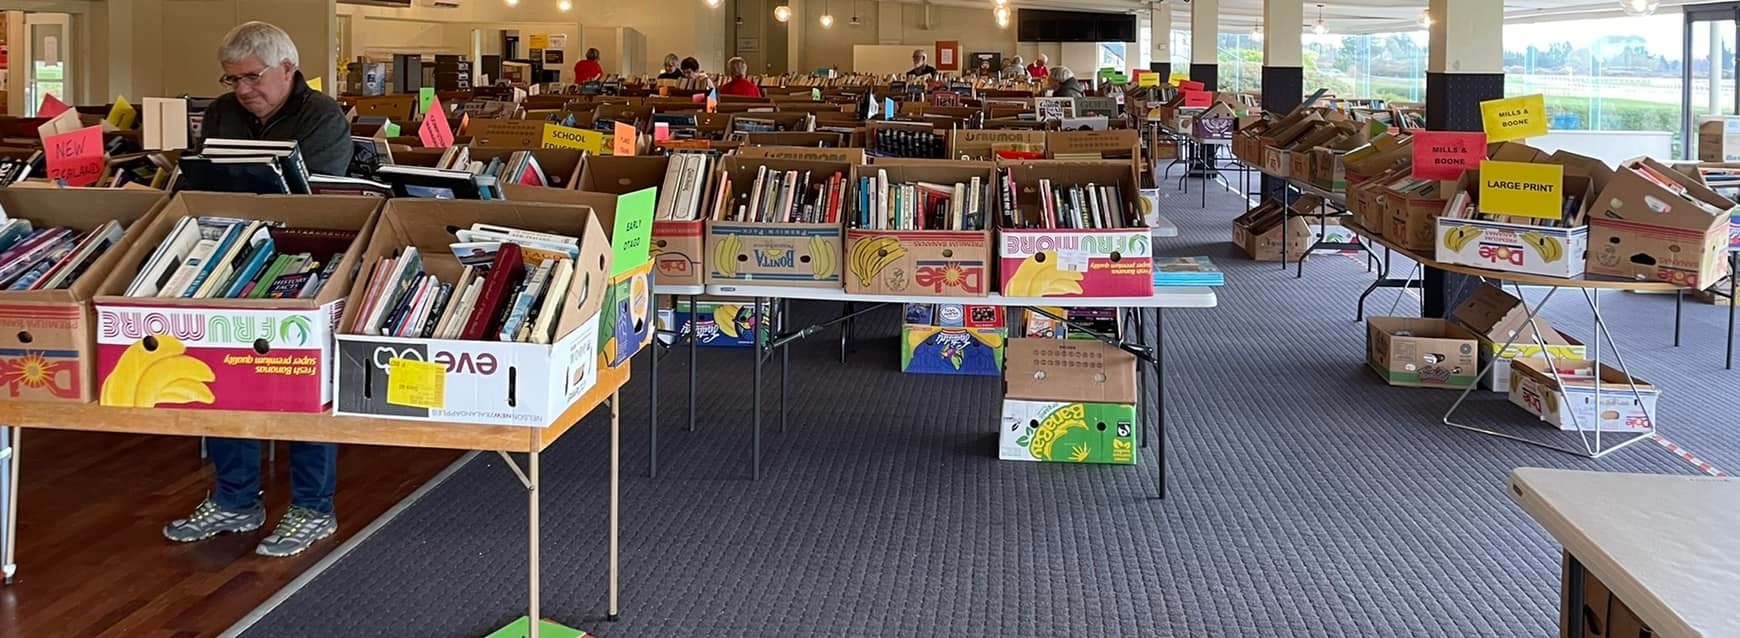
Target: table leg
(1286, 216)
(652, 383)
(1679, 307)
(532, 543)
(1160, 401)
(784, 361)
(1733, 274)
(9, 450)
(755, 419)
(693, 345)
(615, 502)
(845, 332)
(1141, 328)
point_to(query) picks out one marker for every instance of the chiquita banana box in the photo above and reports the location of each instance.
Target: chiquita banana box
(1076, 263)
(1539, 250)
(1068, 432)
(774, 254)
(215, 358)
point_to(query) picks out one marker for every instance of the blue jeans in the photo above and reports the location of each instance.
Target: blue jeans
(313, 473)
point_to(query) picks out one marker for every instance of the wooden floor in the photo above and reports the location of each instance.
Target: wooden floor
(92, 560)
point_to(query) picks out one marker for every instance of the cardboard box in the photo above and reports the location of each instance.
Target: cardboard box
(801, 255)
(1719, 139)
(625, 322)
(1604, 614)
(1421, 353)
(853, 156)
(271, 355)
(1215, 124)
(1414, 218)
(1259, 232)
(1560, 345)
(1497, 317)
(1119, 262)
(718, 324)
(923, 262)
(1111, 144)
(1069, 370)
(47, 337)
(1365, 200)
(561, 165)
(1508, 247)
(1574, 404)
(1068, 432)
(678, 246)
(1328, 168)
(958, 351)
(480, 382)
(974, 144)
(1640, 230)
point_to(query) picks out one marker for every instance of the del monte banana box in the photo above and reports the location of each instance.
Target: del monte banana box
(231, 354)
(46, 344)
(479, 382)
(1067, 432)
(775, 253)
(1062, 262)
(950, 263)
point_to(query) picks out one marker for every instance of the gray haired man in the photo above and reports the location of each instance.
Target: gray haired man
(270, 102)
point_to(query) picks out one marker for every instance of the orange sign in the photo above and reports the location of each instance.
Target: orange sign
(624, 142)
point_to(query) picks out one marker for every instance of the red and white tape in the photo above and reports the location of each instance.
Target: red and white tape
(1688, 456)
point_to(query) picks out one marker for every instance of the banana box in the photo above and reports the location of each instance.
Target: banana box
(775, 254)
(45, 335)
(268, 355)
(716, 324)
(1421, 353)
(477, 382)
(1058, 262)
(1539, 250)
(949, 263)
(627, 323)
(1069, 370)
(975, 144)
(1062, 432)
(1413, 214)
(976, 352)
(1574, 405)
(679, 252)
(1645, 230)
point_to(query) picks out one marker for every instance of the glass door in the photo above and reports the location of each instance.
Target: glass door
(47, 59)
(1709, 88)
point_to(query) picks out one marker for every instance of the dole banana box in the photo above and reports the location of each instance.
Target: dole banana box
(267, 355)
(1642, 229)
(949, 263)
(775, 254)
(476, 382)
(677, 245)
(1060, 262)
(1067, 432)
(1496, 317)
(1509, 247)
(1568, 400)
(47, 348)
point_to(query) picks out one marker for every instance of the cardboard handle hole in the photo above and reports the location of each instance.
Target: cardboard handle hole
(882, 252)
(1116, 257)
(804, 259)
(1033, 423)
(513, 386)
(1643, 259)
(948, 252)
(1655, 204)
(624, 181)
(1039, 257)
(262, 346)
(25, 337)
(1101, 426)
(1039, 375)
(659, 242)
(1100, 377)
(742, 258)
(150, 343)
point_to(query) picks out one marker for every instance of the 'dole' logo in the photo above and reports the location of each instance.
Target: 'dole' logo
(937, 275)
(1501, 254)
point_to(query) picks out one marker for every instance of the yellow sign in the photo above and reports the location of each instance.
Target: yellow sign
(540, 41)
(122, 115)
(592, 142)
(1148, 79)
(1522, 188)
(417, 384)
(317, 85)
(1176, 78)
(1514, 118)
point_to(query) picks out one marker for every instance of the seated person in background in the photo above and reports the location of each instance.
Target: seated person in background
(588, 69)
(739, 84)
(1063, 83)
(1014, 70)
(1040, 67)
(693, 78)
(671, 72)
(920, 64)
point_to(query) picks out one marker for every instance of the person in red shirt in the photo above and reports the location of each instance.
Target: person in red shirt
(1039, 69)
(588, 69)
(739, 84)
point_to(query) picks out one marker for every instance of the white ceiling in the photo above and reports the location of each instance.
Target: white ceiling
(1343, 16)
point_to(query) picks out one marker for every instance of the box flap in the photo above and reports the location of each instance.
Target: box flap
(1498, 316)
(1069, 370)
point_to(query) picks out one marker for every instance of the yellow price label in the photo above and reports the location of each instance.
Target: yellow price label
(592, 142)
(417, 384)
(1514, 118)
(1523, 189)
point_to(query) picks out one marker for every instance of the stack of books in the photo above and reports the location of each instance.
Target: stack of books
(903, 139)
(267, 167)
(1081, 206)
(49, 258)
(882, 205)
(511, 289)
(1186, 271)
(147, 169)
(684, 189)
(784, 197)
(225, 258)
(1461, 206)
(438, 183)
(13, 170)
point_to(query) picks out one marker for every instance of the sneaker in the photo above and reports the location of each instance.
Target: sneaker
(209, 519)
(299, 528)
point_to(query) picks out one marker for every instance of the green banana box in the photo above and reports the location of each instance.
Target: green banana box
(1537, 250)
(1067, 432)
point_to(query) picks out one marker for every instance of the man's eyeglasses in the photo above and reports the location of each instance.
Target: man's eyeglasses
(250, 79)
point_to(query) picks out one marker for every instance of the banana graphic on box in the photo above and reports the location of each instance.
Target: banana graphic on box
(823, 261)
(145, 377)
(725, 318)
(725, 256)
(869, 258)
(1039, 276)
(1549, 247)
(1459, 237)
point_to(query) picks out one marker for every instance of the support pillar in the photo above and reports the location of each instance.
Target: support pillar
(1465, 68)
(1283, 66)
(1205, 43)
(1160, 37)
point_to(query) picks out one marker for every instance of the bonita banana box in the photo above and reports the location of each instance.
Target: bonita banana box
(272, 355)
(478, 382)
(774, 254)
(1067, 432)
(46, 345)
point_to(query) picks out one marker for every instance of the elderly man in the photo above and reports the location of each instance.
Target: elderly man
(270, 102)
(920, 65)
(1040, 68)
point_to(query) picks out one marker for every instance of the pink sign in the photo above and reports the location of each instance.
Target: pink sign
(1198, 98)
(51, 106)
(1187, 85)
(435, 133)
(1444, 155)
(76, 157)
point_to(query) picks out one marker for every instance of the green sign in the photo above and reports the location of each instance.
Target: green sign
(523, 627)
(631, 240)
(391, 129)
(425, 96)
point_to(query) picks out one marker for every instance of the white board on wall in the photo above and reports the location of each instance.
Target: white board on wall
(883, 58)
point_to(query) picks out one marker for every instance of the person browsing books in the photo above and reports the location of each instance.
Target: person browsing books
(920, 64)
(693, 78)
(270, 101)
(1064, 83)
(588, 69)
(739, 84)
(670, 71)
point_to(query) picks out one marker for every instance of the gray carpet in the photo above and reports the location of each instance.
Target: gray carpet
(1307, 498)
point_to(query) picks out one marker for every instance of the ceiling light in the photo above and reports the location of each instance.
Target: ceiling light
(1257, 31)
(1426, 19)
(999, 2)
(782, 13)
(854, 21)
(1321, 27)
(513, 3)
(827, 20)
(565, 5)
(714, 4)
(1639, 7)
(1002, 14)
